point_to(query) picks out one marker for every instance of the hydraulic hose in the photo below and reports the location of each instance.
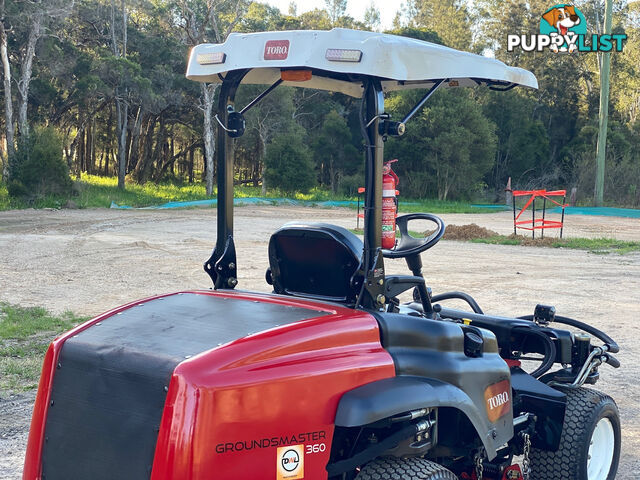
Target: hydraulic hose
(611, 344)
(549, 351)
(461, 296)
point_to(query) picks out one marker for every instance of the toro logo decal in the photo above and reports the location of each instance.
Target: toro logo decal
(290, 462)
(498, 400)
(276, 50)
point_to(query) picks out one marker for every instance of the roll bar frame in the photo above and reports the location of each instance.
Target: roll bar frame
(370, 277)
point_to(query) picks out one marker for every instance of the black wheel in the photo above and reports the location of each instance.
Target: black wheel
(589, 444)
(404, 469)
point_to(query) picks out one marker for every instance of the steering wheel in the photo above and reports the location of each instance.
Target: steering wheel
(408, 245)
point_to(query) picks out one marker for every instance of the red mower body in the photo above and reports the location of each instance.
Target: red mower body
(331, 376)
(229, 409)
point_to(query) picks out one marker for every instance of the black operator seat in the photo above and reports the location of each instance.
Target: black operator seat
(314, 260)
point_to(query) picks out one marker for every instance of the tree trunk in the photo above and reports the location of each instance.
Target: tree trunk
(25, 73)
(255, 169)
(122, 114)
(122, 108)
(263, 179)
(81, 155)
(90, 157)
(261, 159)
(8, 102)
(106, 161)
(332, 175)
(134, 147)
(127, 150)
(208, 91)
(71, 152)
(141, 172)
(158, 150)
(191, 160)
(93, 144)
(108, 148)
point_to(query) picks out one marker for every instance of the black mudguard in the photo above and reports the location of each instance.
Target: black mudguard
(391, 396)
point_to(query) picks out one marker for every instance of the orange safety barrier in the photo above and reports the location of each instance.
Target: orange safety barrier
(538, 223)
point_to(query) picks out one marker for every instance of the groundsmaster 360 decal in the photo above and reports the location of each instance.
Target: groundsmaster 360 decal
(279, 441)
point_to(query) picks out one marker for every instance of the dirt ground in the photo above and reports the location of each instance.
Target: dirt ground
(89, 261)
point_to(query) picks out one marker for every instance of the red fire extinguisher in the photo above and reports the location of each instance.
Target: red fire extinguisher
(389, 205)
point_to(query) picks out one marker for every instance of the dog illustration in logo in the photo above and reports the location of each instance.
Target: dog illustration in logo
(562, 19)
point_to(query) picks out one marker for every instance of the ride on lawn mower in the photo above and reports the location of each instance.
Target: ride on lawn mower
(330, 376)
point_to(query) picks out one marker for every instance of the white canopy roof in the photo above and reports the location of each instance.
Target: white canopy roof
(400, 62)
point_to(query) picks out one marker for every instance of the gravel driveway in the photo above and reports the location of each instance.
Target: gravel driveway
(88, 261)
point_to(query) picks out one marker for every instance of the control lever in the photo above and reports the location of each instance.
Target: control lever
(414, 262)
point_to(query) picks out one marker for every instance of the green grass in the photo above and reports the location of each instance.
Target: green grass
(25, 334)
(442, 206)
(593, 245)
(93, 191)
(5, 203)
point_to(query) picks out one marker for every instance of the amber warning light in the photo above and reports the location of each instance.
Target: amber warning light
(295, 75)
(213, 58)
(342, 55)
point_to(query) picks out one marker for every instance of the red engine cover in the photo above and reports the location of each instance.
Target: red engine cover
(262, 406)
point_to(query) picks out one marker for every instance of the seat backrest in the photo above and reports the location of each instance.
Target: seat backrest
(315, 260)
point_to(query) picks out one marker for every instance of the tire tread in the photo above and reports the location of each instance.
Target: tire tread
(564, 463)
(404, 469)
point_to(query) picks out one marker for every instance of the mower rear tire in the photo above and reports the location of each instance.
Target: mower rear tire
(589, 443)
(390, 468)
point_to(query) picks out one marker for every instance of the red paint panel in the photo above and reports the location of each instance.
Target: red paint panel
(230, 409)
(282, 384)
(36, 433)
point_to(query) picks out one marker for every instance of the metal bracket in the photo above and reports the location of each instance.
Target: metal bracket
(373, 284)
(221, 267)
(228, 130)
(593, 361)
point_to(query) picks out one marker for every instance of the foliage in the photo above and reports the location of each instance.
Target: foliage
(37, 168)
(372, 17)
(99, 192)
(448, 148)
(544, 138)
(290, 164)
(423, 34)
(449, 19)
(334, 152)
(5, 202)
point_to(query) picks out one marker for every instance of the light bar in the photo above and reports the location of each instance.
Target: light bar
(213, 58)
(341, 55)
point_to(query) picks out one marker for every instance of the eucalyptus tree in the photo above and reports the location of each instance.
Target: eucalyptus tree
(22, 25)
(207, 21)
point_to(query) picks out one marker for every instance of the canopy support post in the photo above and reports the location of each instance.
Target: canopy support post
(372, 291)
(221, 266)
(261, 96)
(422, 101)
